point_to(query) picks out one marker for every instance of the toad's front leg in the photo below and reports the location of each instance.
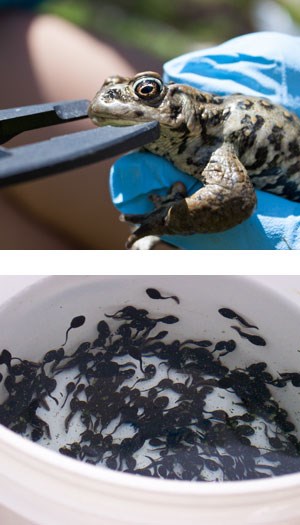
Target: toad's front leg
(226, 199)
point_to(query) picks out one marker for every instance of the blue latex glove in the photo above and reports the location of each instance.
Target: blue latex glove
(260, 64)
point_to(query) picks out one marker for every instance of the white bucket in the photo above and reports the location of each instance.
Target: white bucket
(40, 486)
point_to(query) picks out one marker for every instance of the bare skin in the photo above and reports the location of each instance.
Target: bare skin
(50, 59)
(230, 144)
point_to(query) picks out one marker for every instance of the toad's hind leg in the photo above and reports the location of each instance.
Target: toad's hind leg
(227, 199)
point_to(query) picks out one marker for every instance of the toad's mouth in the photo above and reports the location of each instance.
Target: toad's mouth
(109, 120)
(102, 115)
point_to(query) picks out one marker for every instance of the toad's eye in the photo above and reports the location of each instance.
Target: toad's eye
(148, 88)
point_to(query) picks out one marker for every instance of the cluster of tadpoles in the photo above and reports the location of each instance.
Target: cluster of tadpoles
(133, 378)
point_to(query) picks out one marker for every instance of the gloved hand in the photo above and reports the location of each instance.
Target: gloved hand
(260, 64)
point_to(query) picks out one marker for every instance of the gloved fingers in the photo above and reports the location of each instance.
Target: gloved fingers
(263, 64)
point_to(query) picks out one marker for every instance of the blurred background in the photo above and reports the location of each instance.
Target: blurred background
(64, 49)
(167, 28)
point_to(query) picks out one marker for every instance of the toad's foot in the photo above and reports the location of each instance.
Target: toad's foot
(149, 223)
(226, 200)
(151, 220)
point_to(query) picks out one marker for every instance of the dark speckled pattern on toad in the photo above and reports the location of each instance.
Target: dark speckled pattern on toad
(231, 144)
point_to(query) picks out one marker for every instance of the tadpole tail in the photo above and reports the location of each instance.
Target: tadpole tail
(67, 335)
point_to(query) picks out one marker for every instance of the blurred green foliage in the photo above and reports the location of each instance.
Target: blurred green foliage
(293, 7)
(165, 28)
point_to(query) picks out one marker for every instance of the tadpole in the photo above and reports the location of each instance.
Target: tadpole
(227, 346)
(69, 389)
(168, 319)
(75, 323)
(155, 294)
(230, 314)
(294, 377)
(254, 339)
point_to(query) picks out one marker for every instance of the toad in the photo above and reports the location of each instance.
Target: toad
(232, 144)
